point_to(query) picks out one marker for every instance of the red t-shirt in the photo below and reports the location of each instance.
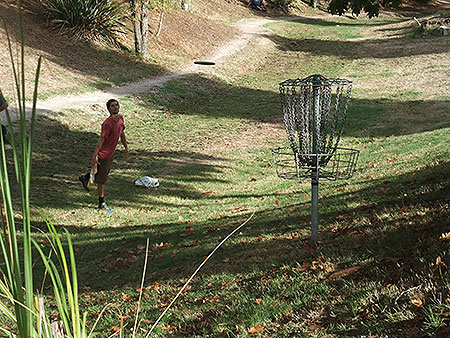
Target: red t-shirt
(111, 131)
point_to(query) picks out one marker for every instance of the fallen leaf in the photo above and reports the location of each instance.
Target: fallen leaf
(114, 328)
(344, 272)
(225, 284)
(440, 262)
(168, 327)
(416, 302)
(258, 300)
(445, 236)
(257, 329)
(160, 245)
(420, 213)
(126, 298)
(304, 267)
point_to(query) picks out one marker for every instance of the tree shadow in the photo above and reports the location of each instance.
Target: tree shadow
(59, 153)
(349, 21)
(277, 237)
(112, 258)
(366, 117)
(392, 48)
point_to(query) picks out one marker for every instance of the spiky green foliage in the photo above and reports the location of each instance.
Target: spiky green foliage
(18, 303)
(88, 19)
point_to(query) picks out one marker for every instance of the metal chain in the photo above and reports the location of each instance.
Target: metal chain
(298, 103)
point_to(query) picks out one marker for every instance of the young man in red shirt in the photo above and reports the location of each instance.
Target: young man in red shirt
(112, 129)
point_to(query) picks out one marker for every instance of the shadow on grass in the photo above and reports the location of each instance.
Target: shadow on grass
(62, 154)
(335, 20)
(197, 95)
(392, 48)
(361, 235)
(390, 230)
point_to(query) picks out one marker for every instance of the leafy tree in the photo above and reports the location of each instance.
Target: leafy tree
(140, 13)
(162, 6)
(371, 7)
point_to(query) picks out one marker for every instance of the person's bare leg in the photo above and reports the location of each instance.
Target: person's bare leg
(101, 195)
(101, 190)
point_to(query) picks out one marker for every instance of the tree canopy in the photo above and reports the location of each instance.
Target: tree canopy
(371, 7)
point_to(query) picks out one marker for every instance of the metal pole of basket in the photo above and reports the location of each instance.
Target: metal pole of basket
(314, 112)
(315, 167)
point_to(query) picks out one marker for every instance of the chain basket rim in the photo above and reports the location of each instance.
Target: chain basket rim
(315, 80)
(340, 165)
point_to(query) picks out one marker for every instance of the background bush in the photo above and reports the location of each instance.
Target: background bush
(284, 4)
(88, 19)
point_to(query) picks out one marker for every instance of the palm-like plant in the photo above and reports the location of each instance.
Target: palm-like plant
(88, 19)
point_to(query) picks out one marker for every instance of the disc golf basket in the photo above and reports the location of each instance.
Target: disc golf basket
(314, 113)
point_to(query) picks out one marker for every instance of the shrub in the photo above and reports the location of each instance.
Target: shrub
(283, 4)
(88, 19)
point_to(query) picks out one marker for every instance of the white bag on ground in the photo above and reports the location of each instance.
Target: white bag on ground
(147, 182)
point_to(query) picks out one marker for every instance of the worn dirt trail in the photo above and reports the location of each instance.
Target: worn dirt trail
(251, 30)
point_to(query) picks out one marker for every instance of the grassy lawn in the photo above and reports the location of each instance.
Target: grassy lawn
(382, 268)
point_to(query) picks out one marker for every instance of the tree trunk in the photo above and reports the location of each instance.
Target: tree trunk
(161, 17)
(144, 30)
(140, 18)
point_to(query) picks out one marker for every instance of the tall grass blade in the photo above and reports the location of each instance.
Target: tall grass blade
(195, 273)
(141, 291)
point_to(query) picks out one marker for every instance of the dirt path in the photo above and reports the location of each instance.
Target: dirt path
(251, 30)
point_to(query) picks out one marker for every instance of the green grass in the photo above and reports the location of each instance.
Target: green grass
(209, 144)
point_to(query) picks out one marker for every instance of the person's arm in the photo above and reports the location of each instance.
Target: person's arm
(97, 149)
(125, 144)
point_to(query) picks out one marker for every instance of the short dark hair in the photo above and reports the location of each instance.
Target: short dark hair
(110, 101)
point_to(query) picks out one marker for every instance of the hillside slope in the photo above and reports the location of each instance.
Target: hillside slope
(74, 66)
